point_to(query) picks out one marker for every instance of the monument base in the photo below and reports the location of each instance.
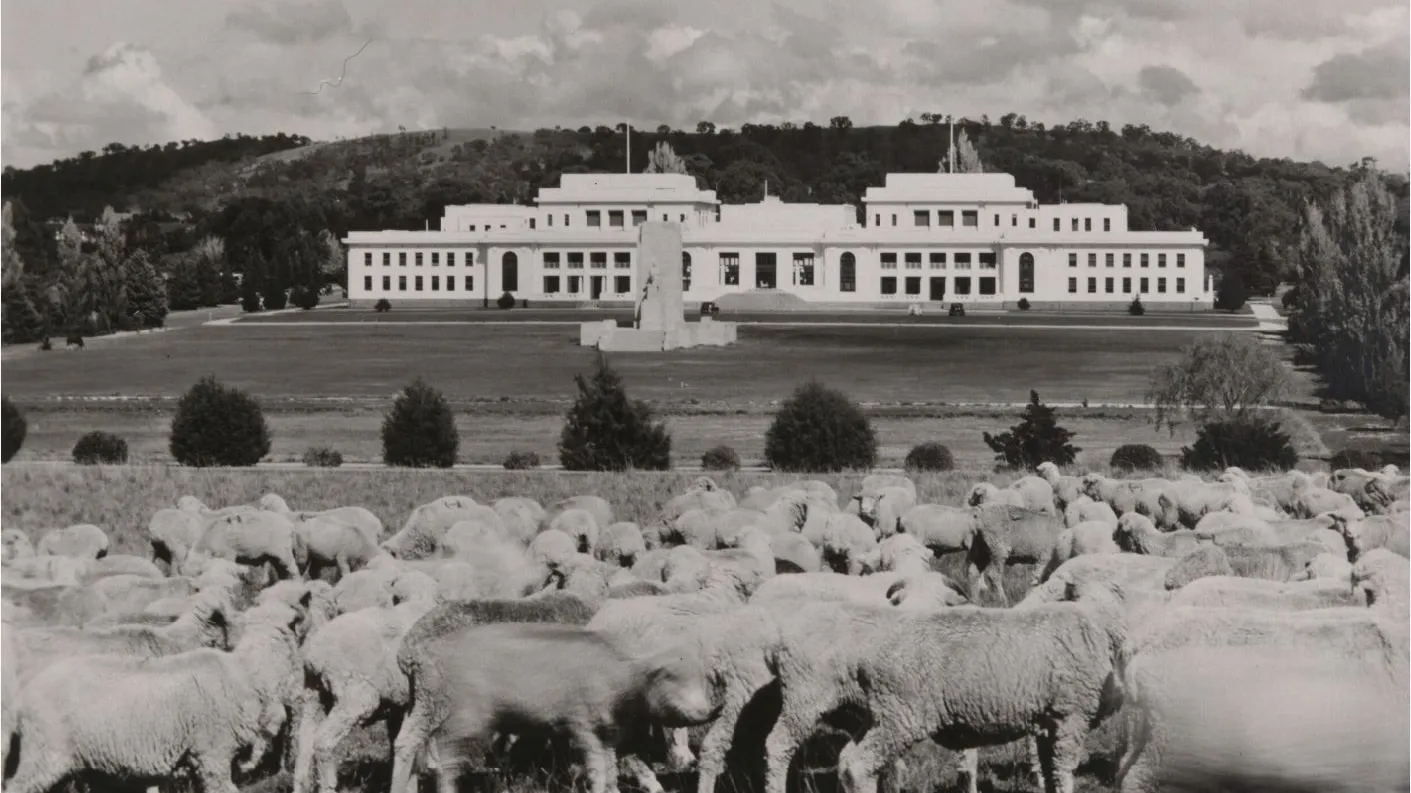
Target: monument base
(606, 336)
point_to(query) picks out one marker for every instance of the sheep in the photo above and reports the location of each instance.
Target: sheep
(497, 566)
(322, 542)
(358, 518)
(900, 553)
(1248, 532)
(747, 558)
(172, 533)
(1269, 562)
(878, 589)
(370, 587)
(1205, 560)
(1136, 534)
(1317, 500)
(580, 524)
(621, 543)
(1185, 502)
(586, 576)
(1372, 492)
(1383, 579)
(887, 507)
(521, 517)
(872, 484)
(154, 719)
(1008, 535)
(248, 538)
(15, 544)
(1325, 565)
(52, 604)
(701, 528)
(552, 546)
(79, 541)
(1142, 579)
(1235, 592)
(846, 539)
(1092, 537)
(793, 553)
(1066, 489)
(942, 529)
(1376, 531)
(119, 564)
(986, 493)
(710, 500)
(596, 506)
(130, 594)
(48, 569)
(1084, 509)
(421, 535)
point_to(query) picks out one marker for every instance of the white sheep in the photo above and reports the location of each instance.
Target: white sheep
(1235, 592)
(580, 524)
(521, 516)
(793, 553)
(1066, 489)
(421, 535)
(943, 529)
(79, 541)
(846, 539)
(621, 543)
(886, 509)
(1006, 535)
(251, 538)
(1084, 509)
(359, 518)
(15, 544)
(597, 506)
(1136, 534)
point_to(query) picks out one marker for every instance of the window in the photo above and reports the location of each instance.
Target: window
(945, 218)
(436, 283)
(551, 260)
(551, 284)
(598, 260)
(996, 220)
(531, 223)
(418, 258)
(1092, 260)
(730, 269)
(913, 285)
(509, 272)
(894, 218)
(962, 261)
(387, 283)
(565, 219)
(987, 285)
(1126, 286)
(683, 217)
(386, 259)
(1014, 221)
(470, 283)
(765, 271)
(418, 283)
(575, 260)
(847, 273)
(367, 259)
(1144, 260)
(1143, 285)
(877, 219)
(435, 258)
(1180, 286)
(921, 217)
(1026, 273)
(913, 261)
(1072, 286)
(401, 258)
(367, 283)
(1107, 224)
(803, 269)
(622, 284)
(1108, 285)
(1087, 224)
(1056, 221)
(469, 258)
(615, 218)
(962, 285)
(1110, 259)
(889, 261)
(1126, 260)
(663, 217)
(472, 227)
(1092, 286)
(987, 261)
(621, 260)
(639, 216)
(1160, 260)
(970, 218)
(1033, 223)
(685, 271)
(938, 261)
(1072, 260)
(450, 258)
(595, 219)
(401, 283)
(575, 284)
(1180, 260)
(1161, 285)
(550, 219)
(889, 284)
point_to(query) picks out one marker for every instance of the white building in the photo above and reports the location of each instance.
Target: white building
(926, 237)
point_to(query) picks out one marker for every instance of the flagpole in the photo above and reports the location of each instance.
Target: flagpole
(950, 158)
(628, 167)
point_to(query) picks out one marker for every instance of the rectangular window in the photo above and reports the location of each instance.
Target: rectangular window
(401, 283)
(894, 218)
(1087, 224)
(615, 218)
(987, 285)
(1033, 223)
(1056, 221)
(401, 258)
(1072, 286)
(1107, 224)
(386, 259)
(996, 223)
(803, 269)
(450, 258)
(1014, 221)
(663, 217)
(387, 283)
(1110, 259)
(1180, 260)
(1092, 260)
(551, 260)
(913, 285)
(730, 269)
(550, 219)
(469, 283)
(575, 260)
(472, 227)
(1108, 285)
(921, 217)
(639, 216)
(1092, 286)
(1161, 286)
(595, 219)
(889, 261)
(1143, 286)
(621, 260)
(1180, 286)
(622, 284)
(367, 283)
(970, 218)
(987, 261)
(962, 261)
(1144, 260)
(766, 274)
(551, 284)
(1160, 260)
(889, 284)
(418, 258)
(1072, 260)
(531, 223)
(877, 219)
(945, 218)
(435, 259)
(565, 219)
(913, 261)
(962, 285)
(436, 283)
(1075, 224)
(418, 283)
(1126, 286)
(598, 260)
(575, 284)
(367, 259)
(938, 261)
(1126, 260)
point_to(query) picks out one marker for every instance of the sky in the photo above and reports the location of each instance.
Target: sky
(1305, 79)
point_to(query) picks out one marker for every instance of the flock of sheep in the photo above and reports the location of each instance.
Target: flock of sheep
(1248, 628)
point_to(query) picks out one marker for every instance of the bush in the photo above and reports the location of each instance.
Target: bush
(12, 429)
(382, 305)
(1232, 293)
(521, 461)
(250, 296)
(606, 431)
(720, 458)
(819, 429)
(100, 447)
(1252, 444)
(420, 430)
(1023, 304)
(1135, 308)
(216, 425)
(276, 297)
(506, 301)
(1357, 458)
(929, 456)
(304, 297)
(1136, 457)
(323, 457)
(1034, 440)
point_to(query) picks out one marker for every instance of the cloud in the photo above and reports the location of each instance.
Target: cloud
(292, 21)
(1166, 84)
(1372, 74)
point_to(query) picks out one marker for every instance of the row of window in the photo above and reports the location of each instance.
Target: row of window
(1109, 285)
(970, 218)
(418, 282)
(1110, 260)
(936, 288)
(937, 261)
(598, 260)
(621, 284)
(435, 258)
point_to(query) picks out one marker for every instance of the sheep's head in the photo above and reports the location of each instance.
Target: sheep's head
(1091, 485)
(981, 493)
(703, 484)
(274, 503)
(191, 504)
(1049, 472)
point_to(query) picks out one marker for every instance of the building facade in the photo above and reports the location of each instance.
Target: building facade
(925, 238)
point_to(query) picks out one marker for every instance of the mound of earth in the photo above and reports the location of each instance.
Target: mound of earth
(762, 300)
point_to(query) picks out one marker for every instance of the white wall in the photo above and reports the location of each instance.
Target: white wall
(395, 288)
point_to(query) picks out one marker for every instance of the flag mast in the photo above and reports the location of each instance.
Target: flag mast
(628, 167)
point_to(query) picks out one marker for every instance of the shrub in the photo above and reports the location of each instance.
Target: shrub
(304, 297)
(521, 461)
(720, 458)
(1250, 443)
(323, 457)
(12, 429)
(100, 447)
(505, 301)
(1232, 293)
(1023, 304)
(1034, 440)
(1356, 458)
(1135, 308)
(250, 296)
(820, 429)
(276, 297)
(420, 430)
(1136, 457)
(929, 456)
(217, 425)
(606, 431)
(382, 305)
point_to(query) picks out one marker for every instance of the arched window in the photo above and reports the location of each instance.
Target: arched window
(509, 272)
(1026, 273)
(847, 272)
(685, 271)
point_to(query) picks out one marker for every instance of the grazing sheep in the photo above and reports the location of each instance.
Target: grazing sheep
(621, 544)
(596, 506)
(15, 544)
(421, 535)
(1142, 579)
(1392, 532)
(900, 553)
(1383, 579)
(1235, 592)
(251, 538)
(359, 518)
(322, 543)
(707, 500)
(1084, 510)
(887, 508)
(1184, 502)
(521, 517)
(986, 493)
(1333, 566)
(48, 569)
(1246, 532)
(1204, 561)
(161, 718)
(1269, 562)
(1136, 534)
(370, 587)
(80, 541)
(1092, 537)
(793, 553)
(130, 594)
(172, 533)
(942, 529)
(1317, 500)
(1372, 492)
(846, 539)
(52, 604)
(580, 524)
(872, 484)
(1008, 535)
(747, 559)
(1066, 489)
(119, 564)
(586, 576)
(551, 547)
(878, 589)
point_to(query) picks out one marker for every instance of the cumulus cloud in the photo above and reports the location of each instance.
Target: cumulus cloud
(292, 21)
(1371, 74)
(1166, 84)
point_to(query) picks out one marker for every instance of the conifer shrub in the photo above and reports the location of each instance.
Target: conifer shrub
(250, 296)
(382, 306)
(1136, 457)
(1232, 293)
(323, 457)
(720, 458)
(929, 456)
(606, 431)
(1036, 439)
(1023, 304)
(276, 297)
(100, 447)
(1135, 308)
(420, 429)
(12, 429)
(218, 425)
(521, 461)
(505, 301)
(1252, 443)
(818, 429)
(304, 297)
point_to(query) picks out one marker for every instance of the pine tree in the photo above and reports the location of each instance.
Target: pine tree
(606, 431)
(1034, 440)
(183, 284)
(420, 429)
(663, 159)
(967, 160)
(210, 260)
(146, 291)
(23, 320)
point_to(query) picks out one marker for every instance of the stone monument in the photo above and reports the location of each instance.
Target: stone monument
(658, 320)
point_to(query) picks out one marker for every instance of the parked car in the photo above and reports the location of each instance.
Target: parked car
(709, 309)
(957, 309)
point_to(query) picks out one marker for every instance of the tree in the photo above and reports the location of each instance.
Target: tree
(13, 428)
(606, 431)
(1231, 294)
(210, 266)
(663, 159)
(967, 160)
(1220, 378)
(1036, 439)
(840, 122)
(12, 266)
(705, 128)
(218, 425)
(420, 429)
(146, 291)
(818, 429)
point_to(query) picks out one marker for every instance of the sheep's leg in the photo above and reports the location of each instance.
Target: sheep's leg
(344, 569)
(679, 757)
(795, 723)
(1031, 747)
(416, 728)
(304, 742)
(967, 770)
(351, 708)
(633, 767)
(710, 761)
(448, 767)
(213, 770)
(394, 726)
(1060, 751)
(599, 761)
(38, 771)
